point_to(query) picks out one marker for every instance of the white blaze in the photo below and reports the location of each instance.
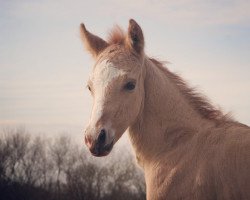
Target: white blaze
(105, 72)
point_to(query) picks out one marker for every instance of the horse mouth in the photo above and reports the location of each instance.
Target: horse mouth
(103, 151)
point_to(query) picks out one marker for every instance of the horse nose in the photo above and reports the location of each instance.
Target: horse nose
(96, 145)
(102, 137)
(99, 147)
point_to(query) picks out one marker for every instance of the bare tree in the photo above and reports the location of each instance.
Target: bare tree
(18, 146)
(35, 168)
(59, 151)
(33, 162)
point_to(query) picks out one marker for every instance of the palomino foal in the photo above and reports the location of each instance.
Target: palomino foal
(187, 148)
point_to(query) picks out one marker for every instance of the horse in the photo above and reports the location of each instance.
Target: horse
(187, 148)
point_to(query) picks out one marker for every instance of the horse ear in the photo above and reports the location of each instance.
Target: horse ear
(135, 39)
(92, 43)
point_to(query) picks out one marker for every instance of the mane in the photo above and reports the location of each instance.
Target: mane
(199, 102)
(116, 35)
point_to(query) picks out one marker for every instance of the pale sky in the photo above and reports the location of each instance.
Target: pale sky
(44, 68)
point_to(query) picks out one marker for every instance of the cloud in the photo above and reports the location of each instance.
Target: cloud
(42, 69)
(188, 12)
(191, 12)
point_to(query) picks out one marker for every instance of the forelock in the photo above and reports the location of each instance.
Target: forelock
(116, 35)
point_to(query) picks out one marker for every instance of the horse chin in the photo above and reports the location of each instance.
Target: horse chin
(101, 154)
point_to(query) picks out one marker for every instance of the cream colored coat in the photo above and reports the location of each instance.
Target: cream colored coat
(187, 148)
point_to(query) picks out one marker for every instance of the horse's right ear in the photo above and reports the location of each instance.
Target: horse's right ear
(92, 43)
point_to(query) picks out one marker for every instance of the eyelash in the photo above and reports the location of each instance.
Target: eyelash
(89, 88)
(128, 86)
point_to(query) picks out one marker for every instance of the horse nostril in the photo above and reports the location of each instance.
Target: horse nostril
(102, 137)
(88, 141)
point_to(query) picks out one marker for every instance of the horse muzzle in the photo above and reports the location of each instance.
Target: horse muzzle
(99, 147)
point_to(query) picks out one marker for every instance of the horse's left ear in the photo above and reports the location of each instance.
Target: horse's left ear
(135, 39)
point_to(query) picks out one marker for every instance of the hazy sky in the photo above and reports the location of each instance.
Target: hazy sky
(44, 68)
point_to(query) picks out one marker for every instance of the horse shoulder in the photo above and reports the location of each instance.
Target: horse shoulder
(212, 162)
(231, 169)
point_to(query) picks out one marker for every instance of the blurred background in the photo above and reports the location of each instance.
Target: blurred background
(44, 67)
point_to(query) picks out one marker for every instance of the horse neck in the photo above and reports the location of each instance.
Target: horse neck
(166, 119)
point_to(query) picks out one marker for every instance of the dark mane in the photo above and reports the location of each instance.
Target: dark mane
(116, 35)
(197, 100)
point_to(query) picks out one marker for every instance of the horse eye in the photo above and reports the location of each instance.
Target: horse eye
(130, 86)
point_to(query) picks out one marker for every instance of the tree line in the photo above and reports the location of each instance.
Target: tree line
(34, 168)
